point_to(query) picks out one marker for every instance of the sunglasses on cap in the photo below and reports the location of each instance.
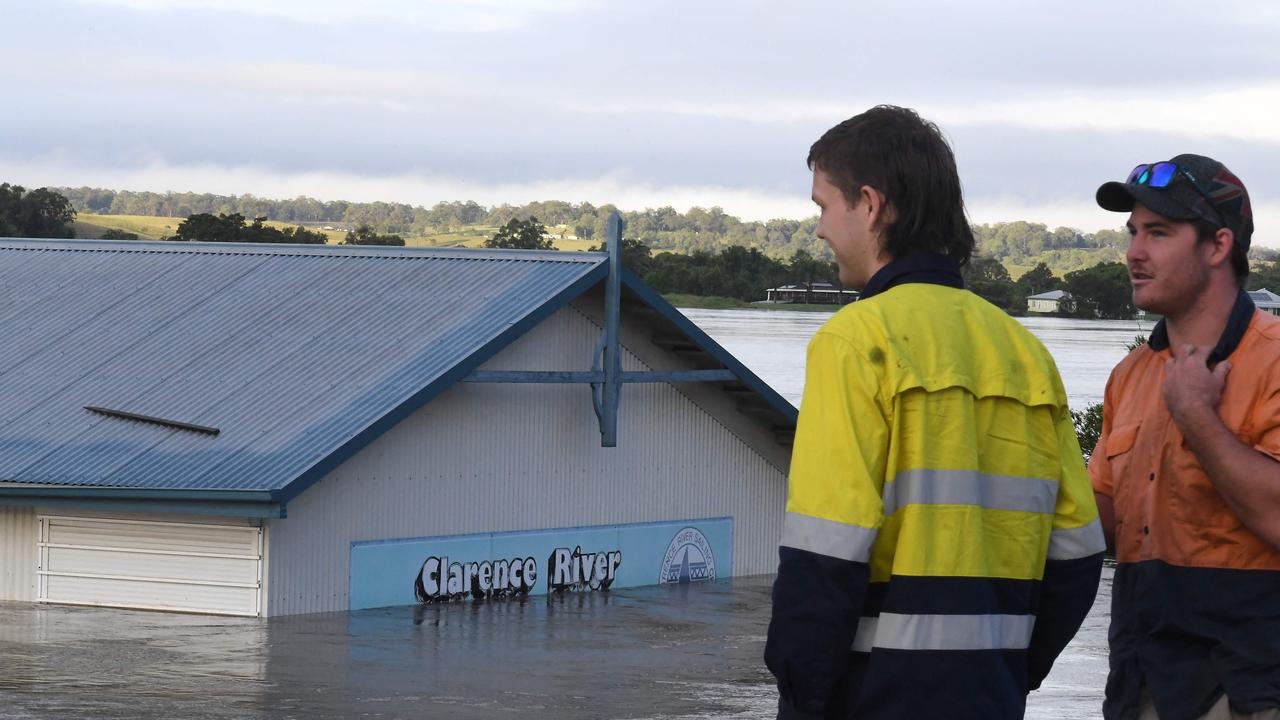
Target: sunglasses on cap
(1162, 174)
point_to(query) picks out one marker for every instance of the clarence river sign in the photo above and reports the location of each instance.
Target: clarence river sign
(497, 565)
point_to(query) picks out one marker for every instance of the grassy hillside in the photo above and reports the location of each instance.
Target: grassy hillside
(89, 226)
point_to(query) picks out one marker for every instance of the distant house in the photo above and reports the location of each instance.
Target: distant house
(823, 293)
(1047, 302)
(1266, 300)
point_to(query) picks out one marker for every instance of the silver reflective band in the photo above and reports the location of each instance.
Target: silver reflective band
(1073, 543)
(969, 487)
(828, 537)
(944, 632)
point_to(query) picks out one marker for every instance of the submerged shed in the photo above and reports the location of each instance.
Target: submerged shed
(268, 430)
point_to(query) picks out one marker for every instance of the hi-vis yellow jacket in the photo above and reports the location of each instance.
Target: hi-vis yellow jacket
(941, 543)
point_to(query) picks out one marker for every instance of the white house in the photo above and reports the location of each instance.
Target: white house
(1046, 302)
(1266, 300)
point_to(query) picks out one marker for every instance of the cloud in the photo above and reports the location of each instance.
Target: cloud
(470, 16)
(1243, 113)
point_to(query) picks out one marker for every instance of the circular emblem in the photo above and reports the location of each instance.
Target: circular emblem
(688, 559)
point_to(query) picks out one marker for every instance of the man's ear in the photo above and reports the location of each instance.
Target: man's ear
(879, 211)
(1220, 246)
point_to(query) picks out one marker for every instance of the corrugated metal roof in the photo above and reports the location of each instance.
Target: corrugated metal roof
(1264, 297)
(1051, 295)
(292, 352)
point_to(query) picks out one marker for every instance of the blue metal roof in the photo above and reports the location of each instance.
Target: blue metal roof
(298, 355)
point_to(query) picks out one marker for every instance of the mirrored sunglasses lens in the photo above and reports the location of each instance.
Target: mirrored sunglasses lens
(1137, 172)
(1162, 174)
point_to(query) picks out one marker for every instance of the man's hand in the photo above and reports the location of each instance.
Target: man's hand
(1247, 480)
(1191, 390)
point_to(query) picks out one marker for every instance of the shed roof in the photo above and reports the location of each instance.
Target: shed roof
(297, 355)
(1264, 297)
(1051, 295)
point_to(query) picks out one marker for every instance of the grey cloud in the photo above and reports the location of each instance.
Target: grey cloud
(504, 120)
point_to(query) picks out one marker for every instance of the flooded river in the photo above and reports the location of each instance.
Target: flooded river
(772, 343)
(655, 653)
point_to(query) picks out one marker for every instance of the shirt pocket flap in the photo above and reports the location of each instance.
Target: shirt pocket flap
(1121, 439)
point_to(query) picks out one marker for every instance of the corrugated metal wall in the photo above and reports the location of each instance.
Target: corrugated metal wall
(17, 553)
(483, 458)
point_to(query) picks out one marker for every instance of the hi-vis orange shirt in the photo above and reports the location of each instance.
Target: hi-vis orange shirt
(1166, 506)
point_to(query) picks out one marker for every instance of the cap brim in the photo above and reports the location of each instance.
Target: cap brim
(1115, 196)
(1121, 197)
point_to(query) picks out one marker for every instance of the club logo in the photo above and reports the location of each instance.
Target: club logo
(688, 559)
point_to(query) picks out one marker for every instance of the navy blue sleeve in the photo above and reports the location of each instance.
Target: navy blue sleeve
(817, 601)
(1066, 596)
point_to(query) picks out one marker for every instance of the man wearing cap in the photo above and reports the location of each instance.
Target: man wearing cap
(1185, 470)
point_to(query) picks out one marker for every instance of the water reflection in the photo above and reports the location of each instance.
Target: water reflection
(772, 343)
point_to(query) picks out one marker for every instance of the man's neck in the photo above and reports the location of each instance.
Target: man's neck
(1202, 323)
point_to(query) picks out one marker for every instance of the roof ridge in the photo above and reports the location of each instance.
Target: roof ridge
(296, 250)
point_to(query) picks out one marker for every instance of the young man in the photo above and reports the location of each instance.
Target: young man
(941, 544)
(1186, 467)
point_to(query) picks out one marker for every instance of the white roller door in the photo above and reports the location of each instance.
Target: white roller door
(190, 567)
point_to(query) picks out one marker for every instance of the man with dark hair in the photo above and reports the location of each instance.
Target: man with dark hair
(941, 545)
(1186, 470)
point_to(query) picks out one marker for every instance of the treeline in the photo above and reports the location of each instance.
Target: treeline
(735, 272)
(204, 227)
(699, 229)
(40, 213)
(1099, 291)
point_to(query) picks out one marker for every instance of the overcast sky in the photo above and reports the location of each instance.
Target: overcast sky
(642, 104)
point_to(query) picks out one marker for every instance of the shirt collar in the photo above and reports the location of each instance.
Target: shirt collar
(914, 268)
(1237, 323)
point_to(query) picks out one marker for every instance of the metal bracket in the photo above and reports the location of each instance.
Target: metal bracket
(606, 376)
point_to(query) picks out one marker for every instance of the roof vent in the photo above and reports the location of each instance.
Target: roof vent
(175, 424)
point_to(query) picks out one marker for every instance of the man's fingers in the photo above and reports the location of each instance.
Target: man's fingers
(1220, 371)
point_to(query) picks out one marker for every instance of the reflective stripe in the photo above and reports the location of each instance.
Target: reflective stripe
(828, 537)
(944, 632)
(969, 487)
(1073, 543)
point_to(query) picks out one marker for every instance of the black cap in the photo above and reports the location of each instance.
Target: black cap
(1181, 201)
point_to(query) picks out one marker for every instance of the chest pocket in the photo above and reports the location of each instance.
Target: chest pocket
(1120, 459)
(1121, 440)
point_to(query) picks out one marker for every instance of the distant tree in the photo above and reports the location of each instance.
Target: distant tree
(1102, 291)
(114, 234)
(1264, 275)
(989, 279)
(296, 234)
(364, 235)
(204, 227)
(40, 213)
(1038, 279)
(1088, 423)
(806, 269)
(636, 256)
(521, 235)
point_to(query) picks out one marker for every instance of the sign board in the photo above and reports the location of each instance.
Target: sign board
(494, 565)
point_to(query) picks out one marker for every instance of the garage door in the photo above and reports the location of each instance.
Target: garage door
(189, 567)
